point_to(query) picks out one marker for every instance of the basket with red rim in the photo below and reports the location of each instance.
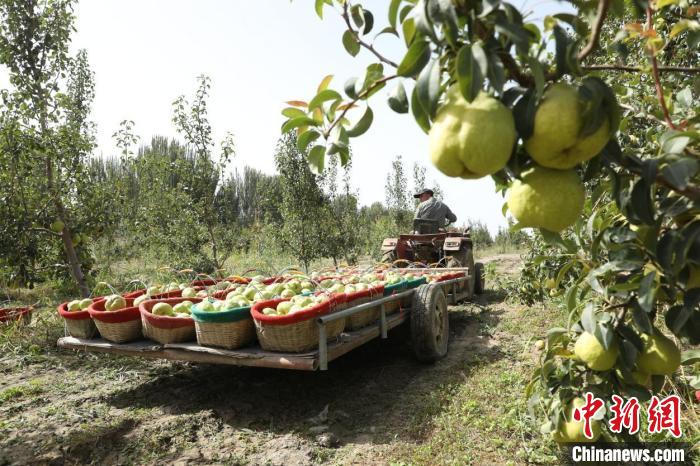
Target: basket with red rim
(16, 314)
(167, 329)
(78, 324)
(120, 326)
(297, 332)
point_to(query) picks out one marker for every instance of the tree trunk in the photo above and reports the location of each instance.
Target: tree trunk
(68, 247)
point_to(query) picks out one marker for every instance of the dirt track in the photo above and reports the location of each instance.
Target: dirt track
(98, 409)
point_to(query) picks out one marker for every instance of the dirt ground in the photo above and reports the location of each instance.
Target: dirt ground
(376, 405)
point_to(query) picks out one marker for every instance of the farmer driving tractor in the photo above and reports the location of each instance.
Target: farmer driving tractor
(433, 210)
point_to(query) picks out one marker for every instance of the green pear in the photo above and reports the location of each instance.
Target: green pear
(556, 140)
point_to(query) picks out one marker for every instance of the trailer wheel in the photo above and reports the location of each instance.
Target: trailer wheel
(430, 328)
(479, 275)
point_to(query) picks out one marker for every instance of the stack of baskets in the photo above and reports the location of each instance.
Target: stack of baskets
(166, 329)
(367, 316)
(294, 333)
(120, 326)
(79, 324)
(228, 329)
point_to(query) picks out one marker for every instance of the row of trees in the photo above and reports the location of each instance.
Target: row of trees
(172, 202)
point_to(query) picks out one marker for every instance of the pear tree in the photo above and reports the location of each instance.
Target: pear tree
(600, 105)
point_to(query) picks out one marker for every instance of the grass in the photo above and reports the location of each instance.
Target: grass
(482, 418)
(119, 409)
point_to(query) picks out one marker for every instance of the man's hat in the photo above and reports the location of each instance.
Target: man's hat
(423, 191)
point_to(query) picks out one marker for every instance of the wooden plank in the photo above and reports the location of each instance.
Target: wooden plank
(151, 350)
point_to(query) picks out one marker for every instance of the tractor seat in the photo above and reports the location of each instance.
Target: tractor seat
(424, 226)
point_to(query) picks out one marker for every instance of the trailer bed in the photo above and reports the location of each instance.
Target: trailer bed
(256, 356)
(251, 356)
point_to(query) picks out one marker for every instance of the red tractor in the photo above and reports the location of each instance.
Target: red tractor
(432, 246)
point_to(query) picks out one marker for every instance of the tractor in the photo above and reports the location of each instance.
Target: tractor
(431, 245)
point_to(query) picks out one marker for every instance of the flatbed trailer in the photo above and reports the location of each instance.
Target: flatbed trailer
(427, 316)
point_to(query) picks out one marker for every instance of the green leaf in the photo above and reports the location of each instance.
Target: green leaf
(676, 318)
(538, 74)
(369, 21)
(428, 87)
(496, 74)
(398, 101)
(423, 23)
(689, 357)
(419, 113)
(316, 159)
(306, 138)
(588, 319)
(350, 89)
(469, 76)
(408, 27)
(358, 16)
(641, 319)
(515, 32)
(319, 8)
(417, 56)
(297, 123)
(562, 50)
(292, 112)
(323, 96)
(362, 125)
(393, 12)
(443, 12)
(680, 172)
(352, 46)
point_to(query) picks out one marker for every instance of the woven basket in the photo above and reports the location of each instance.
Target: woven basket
(78, 324)
(81, 328)
(230, 329)
(228, 335)
(165, 329)
(167, 335)
(298, 336)
(120, 326)
(295, 338)
(368, 316)
(362, 318)
(120, 332)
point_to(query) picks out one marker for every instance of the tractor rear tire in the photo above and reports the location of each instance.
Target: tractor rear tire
(430, 326)
(479, 279)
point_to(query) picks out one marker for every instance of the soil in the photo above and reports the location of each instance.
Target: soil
(67, 407)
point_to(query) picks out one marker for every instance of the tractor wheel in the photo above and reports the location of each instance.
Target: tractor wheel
(430, 327)
(479, 279)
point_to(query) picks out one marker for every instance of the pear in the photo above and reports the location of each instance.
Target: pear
(545, 198)
(556, 140)
(471, 139)
(661, 356)
(589, 350)
(571, 431)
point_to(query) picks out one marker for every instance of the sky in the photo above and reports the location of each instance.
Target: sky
(258, 55)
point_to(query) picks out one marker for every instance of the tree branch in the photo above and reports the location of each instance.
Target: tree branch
(639, 69)
(361, 96)
(364, 44)
(45, 230)
(596, 28)
(655, 74)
